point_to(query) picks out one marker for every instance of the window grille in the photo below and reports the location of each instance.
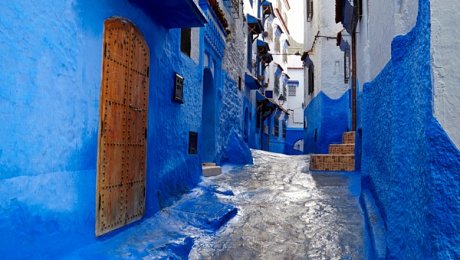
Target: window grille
(292, 91)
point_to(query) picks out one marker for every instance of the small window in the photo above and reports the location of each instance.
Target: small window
(186, 41)
(292, 91)
(311, 79)
(309, 10)
(192, 142)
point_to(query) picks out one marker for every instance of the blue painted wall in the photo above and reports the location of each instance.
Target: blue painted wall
(277, 142)
(50, 75)
(412, 165)
(327, 119)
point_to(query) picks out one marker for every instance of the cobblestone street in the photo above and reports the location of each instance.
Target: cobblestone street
(286, 212)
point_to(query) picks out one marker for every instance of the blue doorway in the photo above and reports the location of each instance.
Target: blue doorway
(208, 123)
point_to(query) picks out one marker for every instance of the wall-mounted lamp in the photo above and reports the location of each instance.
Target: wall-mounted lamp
(281, 99)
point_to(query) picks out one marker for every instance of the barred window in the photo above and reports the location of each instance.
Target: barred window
(292, 90)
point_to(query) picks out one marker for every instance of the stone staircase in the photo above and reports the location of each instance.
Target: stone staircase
(211, 169)
(341, 157)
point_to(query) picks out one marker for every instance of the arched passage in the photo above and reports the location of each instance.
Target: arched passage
(208, 123)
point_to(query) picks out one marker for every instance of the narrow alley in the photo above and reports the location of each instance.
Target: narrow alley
(283, 211)
(230, 129)
(287, 212)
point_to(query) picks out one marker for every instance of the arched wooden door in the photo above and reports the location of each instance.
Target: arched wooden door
(120, 197)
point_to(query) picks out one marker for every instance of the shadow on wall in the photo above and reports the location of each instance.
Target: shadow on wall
(327, 119)
(412, 163)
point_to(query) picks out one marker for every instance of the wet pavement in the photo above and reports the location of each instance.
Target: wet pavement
(286, 212)
(274, 209)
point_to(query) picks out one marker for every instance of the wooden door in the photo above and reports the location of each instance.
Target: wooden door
(120, 195)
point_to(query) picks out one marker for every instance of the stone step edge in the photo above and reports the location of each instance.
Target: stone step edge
(210, 171)
(331, 155)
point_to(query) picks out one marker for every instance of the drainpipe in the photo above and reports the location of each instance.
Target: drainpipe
(354, 80)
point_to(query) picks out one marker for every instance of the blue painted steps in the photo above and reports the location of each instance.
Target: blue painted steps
(206, 212)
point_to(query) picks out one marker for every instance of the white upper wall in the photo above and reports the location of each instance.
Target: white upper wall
(327, 58)
(445, 51)
(381, 22)
(294, 103)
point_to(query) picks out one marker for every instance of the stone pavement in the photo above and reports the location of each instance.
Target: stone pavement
(274, 209)
(287, 212)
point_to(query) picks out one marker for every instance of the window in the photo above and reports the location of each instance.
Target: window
(186, 41)
(192, 142)
(276, 130)
(292, 91)
(311, 79)
(309, 10)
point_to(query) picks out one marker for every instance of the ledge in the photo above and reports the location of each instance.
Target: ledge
(173, 13)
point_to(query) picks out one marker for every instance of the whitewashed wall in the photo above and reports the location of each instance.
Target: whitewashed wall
(381, 22)
(445, 51)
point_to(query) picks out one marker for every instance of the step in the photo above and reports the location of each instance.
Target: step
(341, 149)
(348, 138)
(208, 164)
(332, 162)
(209, 171)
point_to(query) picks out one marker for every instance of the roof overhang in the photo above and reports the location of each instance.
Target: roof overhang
(254, 25)
(173, 13)
(251, 82)
(262, 47)
(267, 8)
